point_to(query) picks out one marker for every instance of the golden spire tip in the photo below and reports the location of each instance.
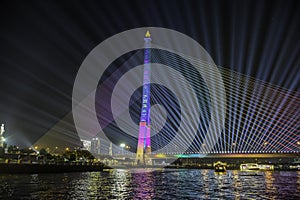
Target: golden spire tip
(147, 35)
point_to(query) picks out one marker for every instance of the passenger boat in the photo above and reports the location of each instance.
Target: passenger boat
(256, 167)
(220, 166)
(249, 167)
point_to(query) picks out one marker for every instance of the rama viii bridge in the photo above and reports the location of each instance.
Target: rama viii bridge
(248, 116)
(157, 101)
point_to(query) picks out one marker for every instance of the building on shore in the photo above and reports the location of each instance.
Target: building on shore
(86, 144)
(2, 139)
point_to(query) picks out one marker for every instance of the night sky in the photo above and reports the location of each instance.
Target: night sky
(43, 43)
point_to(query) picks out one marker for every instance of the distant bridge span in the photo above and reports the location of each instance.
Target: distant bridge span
(266, 155)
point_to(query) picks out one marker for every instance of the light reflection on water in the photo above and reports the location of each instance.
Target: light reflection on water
(149, 184)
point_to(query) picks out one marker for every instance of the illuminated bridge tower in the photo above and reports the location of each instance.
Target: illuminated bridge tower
(144, 142)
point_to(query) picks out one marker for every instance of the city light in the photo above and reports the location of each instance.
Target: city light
(122, 145)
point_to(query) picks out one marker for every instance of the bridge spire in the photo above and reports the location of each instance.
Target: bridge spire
(144, 139)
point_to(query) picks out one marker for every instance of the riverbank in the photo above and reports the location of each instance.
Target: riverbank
(36, 168)
(27, 168)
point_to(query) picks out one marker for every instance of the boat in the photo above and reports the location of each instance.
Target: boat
(220, 166)
(256, 167)
(249, 167)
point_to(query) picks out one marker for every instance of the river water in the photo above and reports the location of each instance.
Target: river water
(153, 184)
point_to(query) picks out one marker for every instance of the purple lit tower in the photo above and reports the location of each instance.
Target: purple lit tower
(144, 142)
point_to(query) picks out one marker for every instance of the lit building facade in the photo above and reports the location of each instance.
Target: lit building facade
(86, 144)
(2, 139)
(95, 146)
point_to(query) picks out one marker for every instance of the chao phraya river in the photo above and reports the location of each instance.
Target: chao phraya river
(153, 184)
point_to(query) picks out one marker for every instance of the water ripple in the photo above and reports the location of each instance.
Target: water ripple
(149, 184)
